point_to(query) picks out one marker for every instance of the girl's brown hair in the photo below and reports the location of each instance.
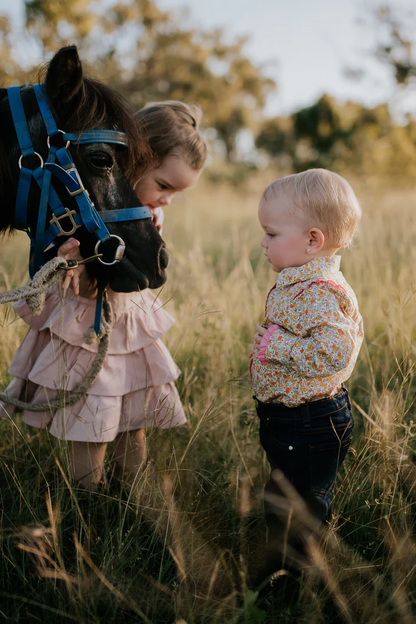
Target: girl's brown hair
(171, 128)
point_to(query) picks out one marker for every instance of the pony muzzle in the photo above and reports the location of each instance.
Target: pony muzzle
(163, 259)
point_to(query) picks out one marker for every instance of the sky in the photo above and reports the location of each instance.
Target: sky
(306, 46)
(305, 43)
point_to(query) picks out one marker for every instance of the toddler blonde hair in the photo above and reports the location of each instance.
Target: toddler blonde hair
(325, 198)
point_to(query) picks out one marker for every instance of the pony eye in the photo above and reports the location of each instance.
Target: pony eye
(101, 161)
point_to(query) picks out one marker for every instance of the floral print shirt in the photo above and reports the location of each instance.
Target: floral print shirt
(314, 335)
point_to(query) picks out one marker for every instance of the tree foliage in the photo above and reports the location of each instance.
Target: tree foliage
(350, 136)
(345, 137)
(149, 54)
(10, 71)
(395, 42)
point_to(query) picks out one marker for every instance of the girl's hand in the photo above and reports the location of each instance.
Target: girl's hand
(70, 251)
(158, 218)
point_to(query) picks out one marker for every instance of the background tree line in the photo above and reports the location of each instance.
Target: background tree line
(349, 136)
(149, 54)
(345, 137)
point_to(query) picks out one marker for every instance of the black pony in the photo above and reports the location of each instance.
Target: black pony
(80, 104)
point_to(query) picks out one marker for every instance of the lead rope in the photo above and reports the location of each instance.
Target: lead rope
(34, 294)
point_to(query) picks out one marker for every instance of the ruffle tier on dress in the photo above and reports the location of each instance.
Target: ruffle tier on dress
(135, 388)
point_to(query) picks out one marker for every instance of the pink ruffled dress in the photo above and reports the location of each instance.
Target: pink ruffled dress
(135, 388)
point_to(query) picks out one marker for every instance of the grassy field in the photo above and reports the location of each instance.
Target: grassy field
(180, 545)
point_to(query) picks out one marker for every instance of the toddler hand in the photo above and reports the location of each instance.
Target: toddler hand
(70, 251)
(260, 331)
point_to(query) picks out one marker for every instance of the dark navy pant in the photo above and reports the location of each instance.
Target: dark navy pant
(308, 445)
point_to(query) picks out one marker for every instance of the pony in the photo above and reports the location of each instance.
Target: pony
(79, 104)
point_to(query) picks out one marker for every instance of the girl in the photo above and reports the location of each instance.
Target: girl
(305, 349)
(135, 388)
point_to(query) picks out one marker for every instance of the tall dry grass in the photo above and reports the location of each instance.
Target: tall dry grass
(179, 545)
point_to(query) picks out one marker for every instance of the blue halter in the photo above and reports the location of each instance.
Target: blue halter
(60, 164)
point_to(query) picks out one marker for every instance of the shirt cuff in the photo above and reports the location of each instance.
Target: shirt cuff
(264, 342)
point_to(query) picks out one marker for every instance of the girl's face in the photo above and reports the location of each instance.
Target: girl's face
(158, 186)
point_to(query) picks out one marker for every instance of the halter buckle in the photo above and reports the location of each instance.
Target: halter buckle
(119, 251)
(56, 220)
(82, 189)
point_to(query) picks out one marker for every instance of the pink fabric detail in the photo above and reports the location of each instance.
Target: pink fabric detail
(45, 361)
(320, 281)
(264, 342)
(139, 319)
(265, 312)
(96, 418)
(134, 389)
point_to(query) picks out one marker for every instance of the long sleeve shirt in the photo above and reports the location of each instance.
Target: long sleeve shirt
(314, 335)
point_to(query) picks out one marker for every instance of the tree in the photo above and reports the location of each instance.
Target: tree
(345, 137)
(10, 71)
(309, 137)
(148, 55)
(277, 138)
(395, 45)
(391, 32)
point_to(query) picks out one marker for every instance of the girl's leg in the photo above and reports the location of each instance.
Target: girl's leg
(130, 451)
(86, 463)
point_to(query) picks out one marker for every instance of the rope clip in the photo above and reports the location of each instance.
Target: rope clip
(73, 264)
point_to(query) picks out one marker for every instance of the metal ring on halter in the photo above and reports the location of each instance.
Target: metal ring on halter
(119, 251)
(48, 142)
(34, 154)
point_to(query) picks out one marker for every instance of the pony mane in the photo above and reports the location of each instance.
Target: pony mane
(5, 171)
(100, 106)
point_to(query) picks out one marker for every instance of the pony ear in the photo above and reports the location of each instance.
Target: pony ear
(64, 82)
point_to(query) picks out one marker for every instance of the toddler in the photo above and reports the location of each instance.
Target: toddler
(305, 350)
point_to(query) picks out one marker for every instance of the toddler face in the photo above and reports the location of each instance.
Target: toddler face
(286, 238)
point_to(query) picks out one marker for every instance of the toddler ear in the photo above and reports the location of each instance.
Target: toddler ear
(316, 240)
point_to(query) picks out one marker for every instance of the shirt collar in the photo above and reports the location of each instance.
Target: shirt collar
(322, 268)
